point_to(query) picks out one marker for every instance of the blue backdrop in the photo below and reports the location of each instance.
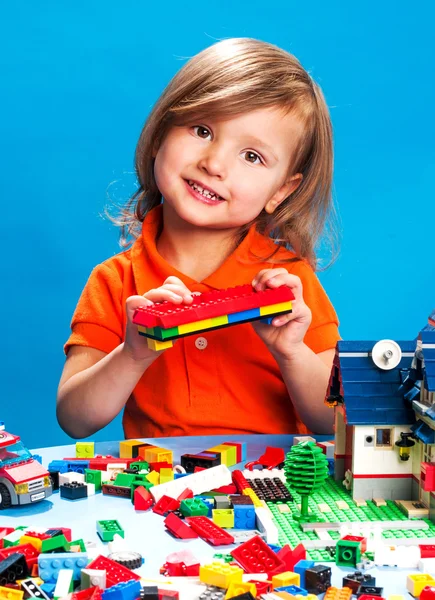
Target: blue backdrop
(78, 81)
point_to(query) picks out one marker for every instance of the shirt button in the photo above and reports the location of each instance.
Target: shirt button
(201, 343)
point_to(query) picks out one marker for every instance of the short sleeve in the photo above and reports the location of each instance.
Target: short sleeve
(97, 321)
(323, 332)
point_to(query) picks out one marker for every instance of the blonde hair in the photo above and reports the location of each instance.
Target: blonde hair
(231, 77)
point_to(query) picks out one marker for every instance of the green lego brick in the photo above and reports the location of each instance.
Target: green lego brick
(139, 465)
(58, 542)
(163, 334)
(107, 530)
(79, 543)
(93, 476)
(193, 507)
(124, 479)
(347, 553)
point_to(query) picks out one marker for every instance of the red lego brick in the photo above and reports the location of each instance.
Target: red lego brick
(369, 597)
(179, 528)
(291, 557)
(263, 587)
(427, 550)
(165, 504)
(100, 463)
(185, 494)
(427, 476)
(142, 499)
(66, 532)
(181, 564)
(226, 489)
(168, 594)
(92, 593)
(428, 593)
(269, 460)
(240, 481)
(28, 550)
(357, 538)
(156, 466)
(255, 556)
(4, 531)
(210, 532)
(238, 447)
(210, 304)
(115, 573)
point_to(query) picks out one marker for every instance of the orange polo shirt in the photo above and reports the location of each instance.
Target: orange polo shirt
(218, 382)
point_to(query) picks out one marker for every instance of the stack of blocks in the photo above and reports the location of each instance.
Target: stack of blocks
(164, 322)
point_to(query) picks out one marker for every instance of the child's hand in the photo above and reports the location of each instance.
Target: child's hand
(286, 333)
(172, 290)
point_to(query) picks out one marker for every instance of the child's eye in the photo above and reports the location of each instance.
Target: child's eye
(203, 129)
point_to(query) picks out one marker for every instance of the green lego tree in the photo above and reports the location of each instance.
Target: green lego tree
(305, 469)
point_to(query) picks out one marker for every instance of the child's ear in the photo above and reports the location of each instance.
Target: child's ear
(287, 188)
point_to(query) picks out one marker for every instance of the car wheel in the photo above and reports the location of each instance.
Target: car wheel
(5, 497)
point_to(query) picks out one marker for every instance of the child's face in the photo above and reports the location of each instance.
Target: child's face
(249, 174)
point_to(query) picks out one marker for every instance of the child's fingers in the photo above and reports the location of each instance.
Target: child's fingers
(162, 294)
(178, 290)
(273, 278)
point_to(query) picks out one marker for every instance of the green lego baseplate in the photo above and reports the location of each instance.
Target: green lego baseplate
(290, 531)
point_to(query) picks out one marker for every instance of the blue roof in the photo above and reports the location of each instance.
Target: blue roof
(371, 395)
(427, 336)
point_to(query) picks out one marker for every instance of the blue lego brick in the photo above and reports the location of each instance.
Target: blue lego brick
(244, 315)
(423, 432)
(128, 590)
(300, 567)
(37, 457)
(244, 516)
(78, 466)
(58, 465)
(49, 565)
(427, 335)
(267, 320)
(367, 345)
(274, 548)
(178, 475)
(331, 466)
(48, 588)
(292, 589)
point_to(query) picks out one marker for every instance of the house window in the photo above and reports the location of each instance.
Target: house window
(384, 438)
(427, 453)
(427, 397)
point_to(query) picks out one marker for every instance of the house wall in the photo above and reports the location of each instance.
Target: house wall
(340, 444)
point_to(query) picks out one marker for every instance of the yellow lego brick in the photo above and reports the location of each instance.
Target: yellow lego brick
(394, 597)
(333, 593)
(238, 588)
(156, 454)
(36, 580)
(166, 475)
(220, 574)
(284, 596)
(126, 448)
(28, 539)
(255, 499)
(157, 345)
(219, 321)
(10, 594)
(228, 454)
(224, 517)
(196, 326)
(311, 597)
(416, 583)
(275, 308)
(85, 449)
(285, 579)
(153, 477)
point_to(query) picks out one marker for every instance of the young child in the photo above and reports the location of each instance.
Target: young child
(235, 167)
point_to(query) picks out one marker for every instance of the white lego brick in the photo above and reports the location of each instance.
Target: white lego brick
(71, 477)
(200, 482)
(91, 489)
(397, 556)
(303, 438)
(426, 565)
(91, 577)
(15, 536)
(64, 583)
(115, 468)
(329, 448)
(323, 535)
(105, 477)
(266, 525)
(118, 544)
(264, 474)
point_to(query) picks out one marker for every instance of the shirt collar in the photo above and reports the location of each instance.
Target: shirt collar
(238, 269)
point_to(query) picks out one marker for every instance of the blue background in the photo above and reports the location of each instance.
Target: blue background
(78, 81)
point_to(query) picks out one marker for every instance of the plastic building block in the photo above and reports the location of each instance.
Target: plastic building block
(244, 516)
(73, 491)
(50, 565)
(107, 530)
(428, 593)
(333, 593)
(369, 590)
(416, 583)
(142, 499)
(115, 573)
(272, 457)
(208, 531)
(153, 454)
(204, 481)
(194, 507)
(255, 499)
(240, 450)
(91, 578)
(64, 583)
(85, 449)
(301, 566)
(165, 505)
(227, 453)
(240, 481)
(190, 461)
(348, 553)
(33, 590)
(125, 590)
(238, 588)
(265, 524)
(271, 489)
(223, 518)
(255, 556)
(356, 538)
(318, 579)
(13, 567)
(116, 490)
(293, 590)
(7, 593)
(27, 550)
(220, 575)
(263, 587)
(180, 564)
(285, 579)
(58, 542)
(93, 476)
(166, 474)
(355, 580)
(178, 528)
(149, 592)
(130, 448)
